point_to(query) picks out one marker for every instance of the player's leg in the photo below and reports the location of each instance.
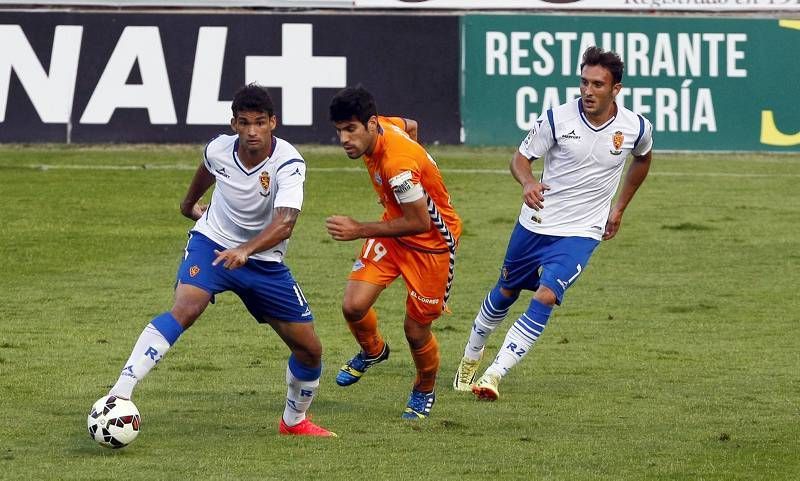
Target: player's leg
(563, 261)
(197, 281)
(302, 377)
(159, 335)
(426, 277)
(425, 353)
(362, 320)
(372, 272)
(516, 273)
(272, 296)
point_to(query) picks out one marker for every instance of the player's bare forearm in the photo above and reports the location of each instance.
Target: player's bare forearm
(521, 169)
(636, 174)
(412, 128)
(201, 182)
(280, 229)
(532, 190)
(415, 220)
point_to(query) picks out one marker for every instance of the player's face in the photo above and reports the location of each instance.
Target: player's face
(356, 138)
(598, 90)
(254, 129)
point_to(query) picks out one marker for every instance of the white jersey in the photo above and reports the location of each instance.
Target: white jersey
(582, 165)
(243, 200)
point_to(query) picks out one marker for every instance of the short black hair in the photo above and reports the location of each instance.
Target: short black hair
(252, 98)
(610, 60)
(353, 102)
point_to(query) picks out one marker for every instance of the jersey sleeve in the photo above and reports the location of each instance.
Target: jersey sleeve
(397, 122)
(540, 138)
(644, 143)
(404, 177)
(290, 176)
(208, 156)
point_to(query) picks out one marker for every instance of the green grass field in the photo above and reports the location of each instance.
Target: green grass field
(676, 357)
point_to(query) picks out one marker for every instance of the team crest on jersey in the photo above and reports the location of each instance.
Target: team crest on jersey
(193, 271)
(618, 138)
(264, 178)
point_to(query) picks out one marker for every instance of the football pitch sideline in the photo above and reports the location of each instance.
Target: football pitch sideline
(676, 356)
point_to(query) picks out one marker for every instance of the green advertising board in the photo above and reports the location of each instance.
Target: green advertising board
(705, 83)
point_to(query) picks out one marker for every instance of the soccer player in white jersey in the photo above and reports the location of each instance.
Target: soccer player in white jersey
(238, 244)
(565, 213)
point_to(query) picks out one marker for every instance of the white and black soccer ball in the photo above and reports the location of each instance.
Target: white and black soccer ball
(114, 422)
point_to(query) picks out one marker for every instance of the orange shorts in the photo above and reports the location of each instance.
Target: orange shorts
(383, 259)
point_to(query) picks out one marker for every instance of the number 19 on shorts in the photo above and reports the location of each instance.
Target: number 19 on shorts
(376, 249)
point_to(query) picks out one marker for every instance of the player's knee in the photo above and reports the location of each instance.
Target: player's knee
(309, 355)
(186, 313)
(546, 296)
(353, 312)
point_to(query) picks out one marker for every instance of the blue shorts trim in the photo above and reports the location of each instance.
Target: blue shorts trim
(267, 289)
(535, 259)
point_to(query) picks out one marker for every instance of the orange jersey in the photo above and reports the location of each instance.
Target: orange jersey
(394, 155)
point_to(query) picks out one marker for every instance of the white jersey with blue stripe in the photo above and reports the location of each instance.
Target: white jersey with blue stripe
(582, 165)
(244, 199)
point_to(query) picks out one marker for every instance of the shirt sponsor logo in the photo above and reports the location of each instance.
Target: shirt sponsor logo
(424, 300)
(571, 136)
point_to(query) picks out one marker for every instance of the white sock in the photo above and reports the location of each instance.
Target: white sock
(518, 342)
(492, 312)
(148, 350)
(298, 398)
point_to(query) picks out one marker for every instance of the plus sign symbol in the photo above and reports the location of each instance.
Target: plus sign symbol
(297, 72)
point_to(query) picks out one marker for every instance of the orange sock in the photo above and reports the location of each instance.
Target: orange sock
(426, 359)
(366, 333)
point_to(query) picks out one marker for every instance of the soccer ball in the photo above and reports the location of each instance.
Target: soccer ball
(114, 422)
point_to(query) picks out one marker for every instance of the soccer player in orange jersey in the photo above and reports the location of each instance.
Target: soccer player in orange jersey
(416, 239)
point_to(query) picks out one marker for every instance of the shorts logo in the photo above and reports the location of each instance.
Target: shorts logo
(424, 300)
(505, 273)
(618, 138)
(378, 179)
(358, 265)
(193, 271)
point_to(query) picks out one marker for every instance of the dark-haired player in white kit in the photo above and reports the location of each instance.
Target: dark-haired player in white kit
(564, 215)
(237, 245)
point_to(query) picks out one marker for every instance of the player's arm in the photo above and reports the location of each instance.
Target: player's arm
(636, 174)
(532, 190)
(415, 220)
(201, 182)
(280, 229)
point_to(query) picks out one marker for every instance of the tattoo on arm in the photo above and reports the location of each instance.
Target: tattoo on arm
(287, 215)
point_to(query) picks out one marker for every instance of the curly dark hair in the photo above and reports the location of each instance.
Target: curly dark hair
(353, 102)
(252, 98)
(610, 60)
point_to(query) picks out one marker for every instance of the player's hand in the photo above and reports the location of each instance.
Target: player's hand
(231, 258)
(342, 227)
(533, 194)
(612, 224)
